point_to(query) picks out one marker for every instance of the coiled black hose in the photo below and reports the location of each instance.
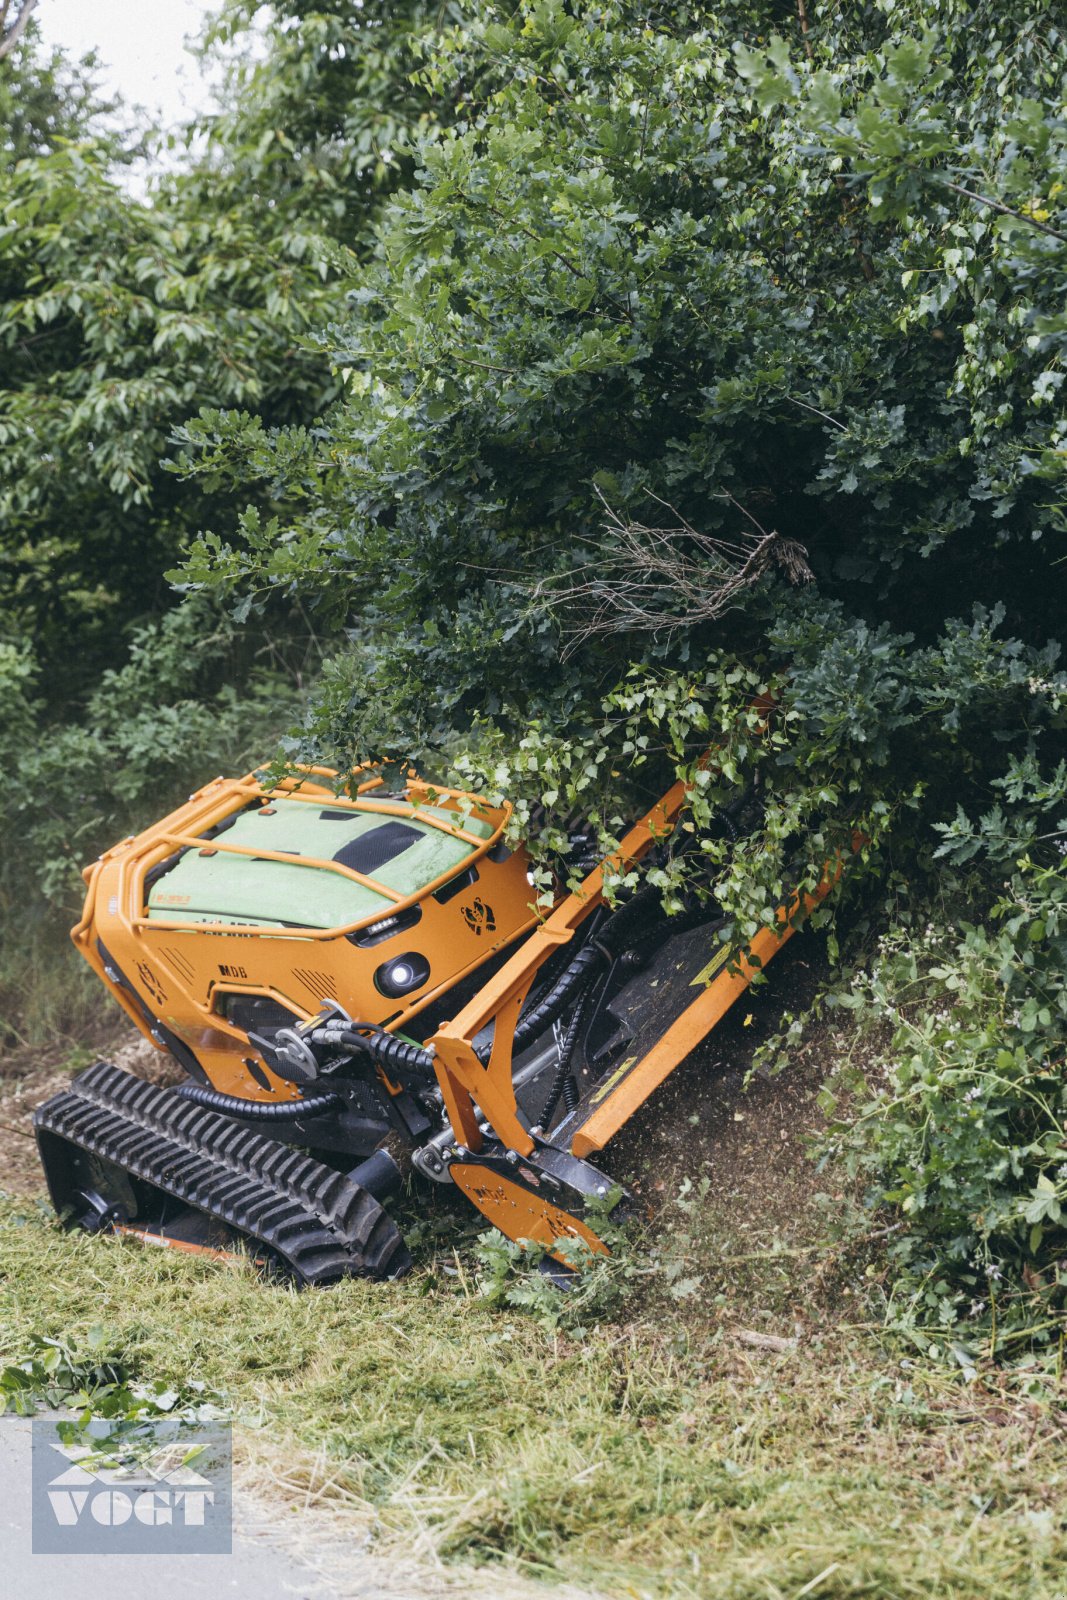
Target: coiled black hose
(724, 815)
(574, 977)
(389, 1051)
(258, 1110)
(562, 1080)
(386, 1049)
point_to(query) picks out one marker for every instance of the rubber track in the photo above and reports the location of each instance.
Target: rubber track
(321, 1224)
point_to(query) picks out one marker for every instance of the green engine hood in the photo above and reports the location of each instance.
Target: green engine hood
(402, 853)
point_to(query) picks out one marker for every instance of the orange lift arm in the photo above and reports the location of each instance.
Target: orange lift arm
(464, 1082)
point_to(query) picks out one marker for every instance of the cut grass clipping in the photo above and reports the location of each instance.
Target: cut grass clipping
(670, 1457)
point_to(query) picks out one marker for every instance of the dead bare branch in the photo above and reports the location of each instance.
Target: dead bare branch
(763, 1341)
(11, 32)
(643, 579)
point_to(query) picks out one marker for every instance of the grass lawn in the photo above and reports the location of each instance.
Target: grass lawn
(734, 1429)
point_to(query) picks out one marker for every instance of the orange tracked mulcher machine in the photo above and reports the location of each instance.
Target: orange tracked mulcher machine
(359, 987)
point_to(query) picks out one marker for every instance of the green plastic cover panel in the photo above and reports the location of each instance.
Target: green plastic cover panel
(401, 852)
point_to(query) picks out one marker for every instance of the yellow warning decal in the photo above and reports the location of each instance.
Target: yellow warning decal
(705, 975)
(613, 1080)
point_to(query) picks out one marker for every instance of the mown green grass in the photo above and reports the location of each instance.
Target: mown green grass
(658, 1458)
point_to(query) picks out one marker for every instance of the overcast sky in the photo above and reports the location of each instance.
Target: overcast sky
(140, 45)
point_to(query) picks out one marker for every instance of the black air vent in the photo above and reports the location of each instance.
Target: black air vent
(455, 885)
(372, 850)
(319, 983)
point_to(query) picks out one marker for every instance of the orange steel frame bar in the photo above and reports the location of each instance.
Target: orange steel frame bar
(464, 1082)
(162, 840)
(218, 800)
(211, 847)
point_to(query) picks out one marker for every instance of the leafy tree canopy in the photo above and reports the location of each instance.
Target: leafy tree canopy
(121, 316)
(812, 284)
(45, 99)
(321, 110)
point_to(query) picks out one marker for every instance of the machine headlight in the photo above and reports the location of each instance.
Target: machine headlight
(402, 974)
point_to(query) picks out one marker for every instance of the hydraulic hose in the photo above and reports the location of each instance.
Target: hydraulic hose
(562, 1079)
(574, 977)
(257, 1110)
(386, 1049)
